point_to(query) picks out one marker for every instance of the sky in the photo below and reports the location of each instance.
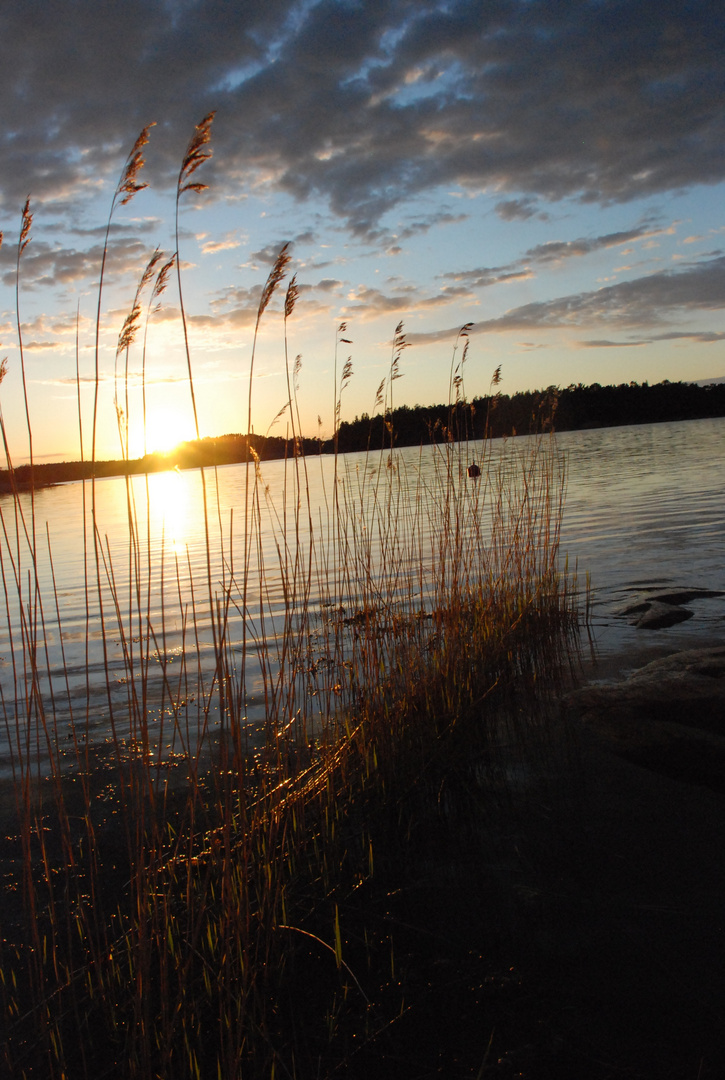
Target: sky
(550, 171)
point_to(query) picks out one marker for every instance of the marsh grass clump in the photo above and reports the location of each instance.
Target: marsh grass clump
(195, 896)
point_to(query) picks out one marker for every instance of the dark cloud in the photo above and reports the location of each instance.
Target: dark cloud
(44, 265)
(367, 104)
(267, 256)
(484, 276)
(238, 306)
(367, 303)
(645, 302)
(558, 250)
(554, 251)
(324, 285)
(415, 228)
(516, 209)
(704, 337)
(604, 343)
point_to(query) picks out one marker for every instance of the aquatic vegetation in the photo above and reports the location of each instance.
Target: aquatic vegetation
(163, 890)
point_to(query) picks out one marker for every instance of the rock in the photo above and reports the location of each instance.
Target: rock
(684, 596)
(668, 716)
(631, 607)
(658, 615)
(674, 597)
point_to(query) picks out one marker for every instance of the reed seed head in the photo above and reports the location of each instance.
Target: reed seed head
(278, 417)
(197, 152)
(150, 267)
(25, 222)
(129, 328)
(129, 185)
(162, 278)
(291, 298)
(276, 275)
(399, 343)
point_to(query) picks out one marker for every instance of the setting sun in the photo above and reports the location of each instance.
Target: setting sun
(166, 428)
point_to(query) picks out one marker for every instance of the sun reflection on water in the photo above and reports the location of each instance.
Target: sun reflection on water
(169, 508)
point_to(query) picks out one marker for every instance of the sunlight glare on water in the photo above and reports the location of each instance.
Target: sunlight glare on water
(170, 509)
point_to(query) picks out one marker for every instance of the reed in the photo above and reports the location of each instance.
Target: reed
(167, 891)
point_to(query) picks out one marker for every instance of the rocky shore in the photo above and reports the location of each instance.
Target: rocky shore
(668, 716)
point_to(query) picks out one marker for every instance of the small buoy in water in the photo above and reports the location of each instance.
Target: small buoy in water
(474, 471)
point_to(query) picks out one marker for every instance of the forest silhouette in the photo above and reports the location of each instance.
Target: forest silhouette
(575, 407)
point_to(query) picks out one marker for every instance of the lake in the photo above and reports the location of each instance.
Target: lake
(644, 510)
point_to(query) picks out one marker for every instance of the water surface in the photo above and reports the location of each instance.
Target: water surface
(644, 510)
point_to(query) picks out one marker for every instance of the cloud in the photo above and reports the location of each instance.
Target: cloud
(369, 303)
(135, 378)
(704, 337)
(518, 209)
(552, 252)
(424, 225)
(367, 105)
(325, 285)
(267, 256)
(645, 302)
(44, 265)
(605, 344)
(485, 276)
(210, 247)
(557, 250)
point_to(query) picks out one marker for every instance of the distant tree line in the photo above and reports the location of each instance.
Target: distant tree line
(220, 450)
(528, 412)
(495, 415)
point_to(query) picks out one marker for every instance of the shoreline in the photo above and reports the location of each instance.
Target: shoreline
(235, 449)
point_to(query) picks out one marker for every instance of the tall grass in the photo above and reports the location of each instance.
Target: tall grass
(158, 888)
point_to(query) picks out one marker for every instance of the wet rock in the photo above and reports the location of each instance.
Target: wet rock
(668, 716)
(672, 598)
(658, 615)
(684, 596)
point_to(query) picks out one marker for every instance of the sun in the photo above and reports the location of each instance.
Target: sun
(166, 428)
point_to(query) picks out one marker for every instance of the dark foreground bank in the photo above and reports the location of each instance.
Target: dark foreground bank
(557, 916)
(549, 910)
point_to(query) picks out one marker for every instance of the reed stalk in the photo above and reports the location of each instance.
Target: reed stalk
(182, 876)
